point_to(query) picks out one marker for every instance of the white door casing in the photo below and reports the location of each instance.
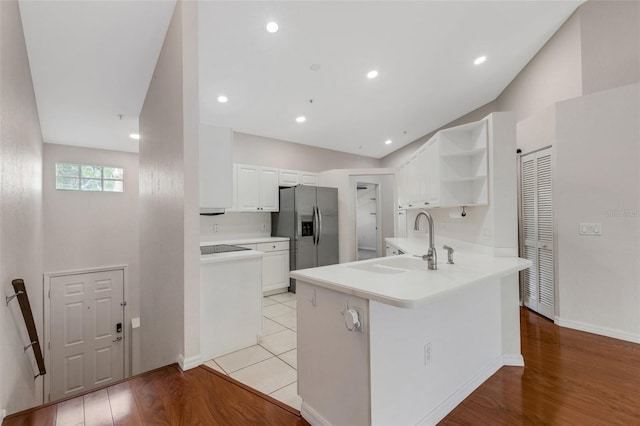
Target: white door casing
(537, 231)
(86, 350)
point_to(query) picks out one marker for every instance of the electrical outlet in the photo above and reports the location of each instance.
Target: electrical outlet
(216, 227)
(427, 353)
(590, 229)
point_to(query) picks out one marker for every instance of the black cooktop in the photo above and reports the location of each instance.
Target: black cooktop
(220, 248)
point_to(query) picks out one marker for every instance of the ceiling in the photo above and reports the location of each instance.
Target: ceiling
(93, 60)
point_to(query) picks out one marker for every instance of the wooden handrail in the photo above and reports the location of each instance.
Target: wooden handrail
(27, 314)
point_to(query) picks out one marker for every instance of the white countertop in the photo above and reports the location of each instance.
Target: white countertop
(411, 288)
(231, 256)
(256, 240)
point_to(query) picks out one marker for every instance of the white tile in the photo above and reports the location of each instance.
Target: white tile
(270, 327)
(280, 342)
(288, 319)
(211, 363)
(268, 302)
(288, 395)
(275, 310)
(290, 358)
(283, 297)
(291, 303)
(267, 376)
(243, 358)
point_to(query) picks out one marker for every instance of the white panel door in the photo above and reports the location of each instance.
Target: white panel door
(537, 229)
(86, 321)
(248, 187)
(269, 189)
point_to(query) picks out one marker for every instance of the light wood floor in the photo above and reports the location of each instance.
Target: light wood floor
(570, 378)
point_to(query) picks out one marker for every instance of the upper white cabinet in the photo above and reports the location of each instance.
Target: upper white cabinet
(216, 169)
(450, 170)
(296, 177)
(256, 188)
(463, 165)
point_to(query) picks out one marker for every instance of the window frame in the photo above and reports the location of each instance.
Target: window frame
(79, 177)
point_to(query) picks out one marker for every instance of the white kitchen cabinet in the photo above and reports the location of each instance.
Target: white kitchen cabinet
(307, 178)
(275, 267)
(450, 170)
(215, 168)
(296, 177)
(256, 188)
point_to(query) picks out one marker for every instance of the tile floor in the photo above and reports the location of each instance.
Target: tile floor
(270, 366)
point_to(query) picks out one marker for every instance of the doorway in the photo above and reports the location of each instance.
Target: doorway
(85, 331)
(536, 219)
(367, 220)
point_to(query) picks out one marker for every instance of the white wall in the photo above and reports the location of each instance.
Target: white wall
(20, 210)
(597, 180)
(261, 151)
(84, 230)
(162, 207)
(234, 226)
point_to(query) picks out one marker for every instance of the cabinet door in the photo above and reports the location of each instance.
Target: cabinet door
(288, 177)
(306, 178)
(275, 270)
(433, 181)
(269, 189)
(248, 187)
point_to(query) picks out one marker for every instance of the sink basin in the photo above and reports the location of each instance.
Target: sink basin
(407, 263)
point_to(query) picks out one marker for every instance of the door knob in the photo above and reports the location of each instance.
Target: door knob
(117, 339)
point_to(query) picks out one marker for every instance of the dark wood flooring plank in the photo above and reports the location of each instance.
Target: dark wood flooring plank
(124, 409)
(70, 412)
(97, 409)
(230, 404)
(45, 416)
(148, 401)
(570, 378)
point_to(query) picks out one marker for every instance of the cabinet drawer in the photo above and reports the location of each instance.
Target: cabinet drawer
(276, 246)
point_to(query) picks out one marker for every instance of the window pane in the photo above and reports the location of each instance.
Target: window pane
(113, 173)
(91, 172)
(113, 186)
(70, 170)
(90, 184)
(71, 184)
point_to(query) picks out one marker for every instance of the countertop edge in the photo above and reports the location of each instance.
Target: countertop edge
(230, 256)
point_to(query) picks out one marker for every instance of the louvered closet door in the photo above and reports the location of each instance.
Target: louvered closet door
(537, 222)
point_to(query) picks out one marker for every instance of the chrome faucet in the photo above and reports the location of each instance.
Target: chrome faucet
(431, 257)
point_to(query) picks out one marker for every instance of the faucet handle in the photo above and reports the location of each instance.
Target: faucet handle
(424, 257)
(449, 254)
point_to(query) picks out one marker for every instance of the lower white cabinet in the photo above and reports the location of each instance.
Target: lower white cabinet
(275, 267)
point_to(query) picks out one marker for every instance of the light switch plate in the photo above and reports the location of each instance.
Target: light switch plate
(590, 229)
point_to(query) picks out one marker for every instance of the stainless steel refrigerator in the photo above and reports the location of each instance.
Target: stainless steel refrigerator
(309, 217)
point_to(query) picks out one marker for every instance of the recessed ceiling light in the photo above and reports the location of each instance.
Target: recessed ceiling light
(301, 119)
(134, 136)
(372, 74)
(480, 60)
(272, 27)
(388, 142)
(222, 99)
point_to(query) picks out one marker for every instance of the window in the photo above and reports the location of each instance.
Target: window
(77, 177)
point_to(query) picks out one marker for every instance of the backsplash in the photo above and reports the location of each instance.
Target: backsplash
(474, 228)
(235, 225)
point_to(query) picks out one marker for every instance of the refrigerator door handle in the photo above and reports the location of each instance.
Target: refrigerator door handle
(315, 225)
(319, 224)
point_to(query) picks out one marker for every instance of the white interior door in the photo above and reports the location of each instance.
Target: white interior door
(537, 223)
(86, 338)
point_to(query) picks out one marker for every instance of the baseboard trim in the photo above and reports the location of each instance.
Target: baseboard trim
(441, 411)
(189, 363)
(594, 329)
(312, 416)
(513, 360)
(3, 414)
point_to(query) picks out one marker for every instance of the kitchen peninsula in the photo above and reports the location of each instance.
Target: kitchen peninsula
(387, 341)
